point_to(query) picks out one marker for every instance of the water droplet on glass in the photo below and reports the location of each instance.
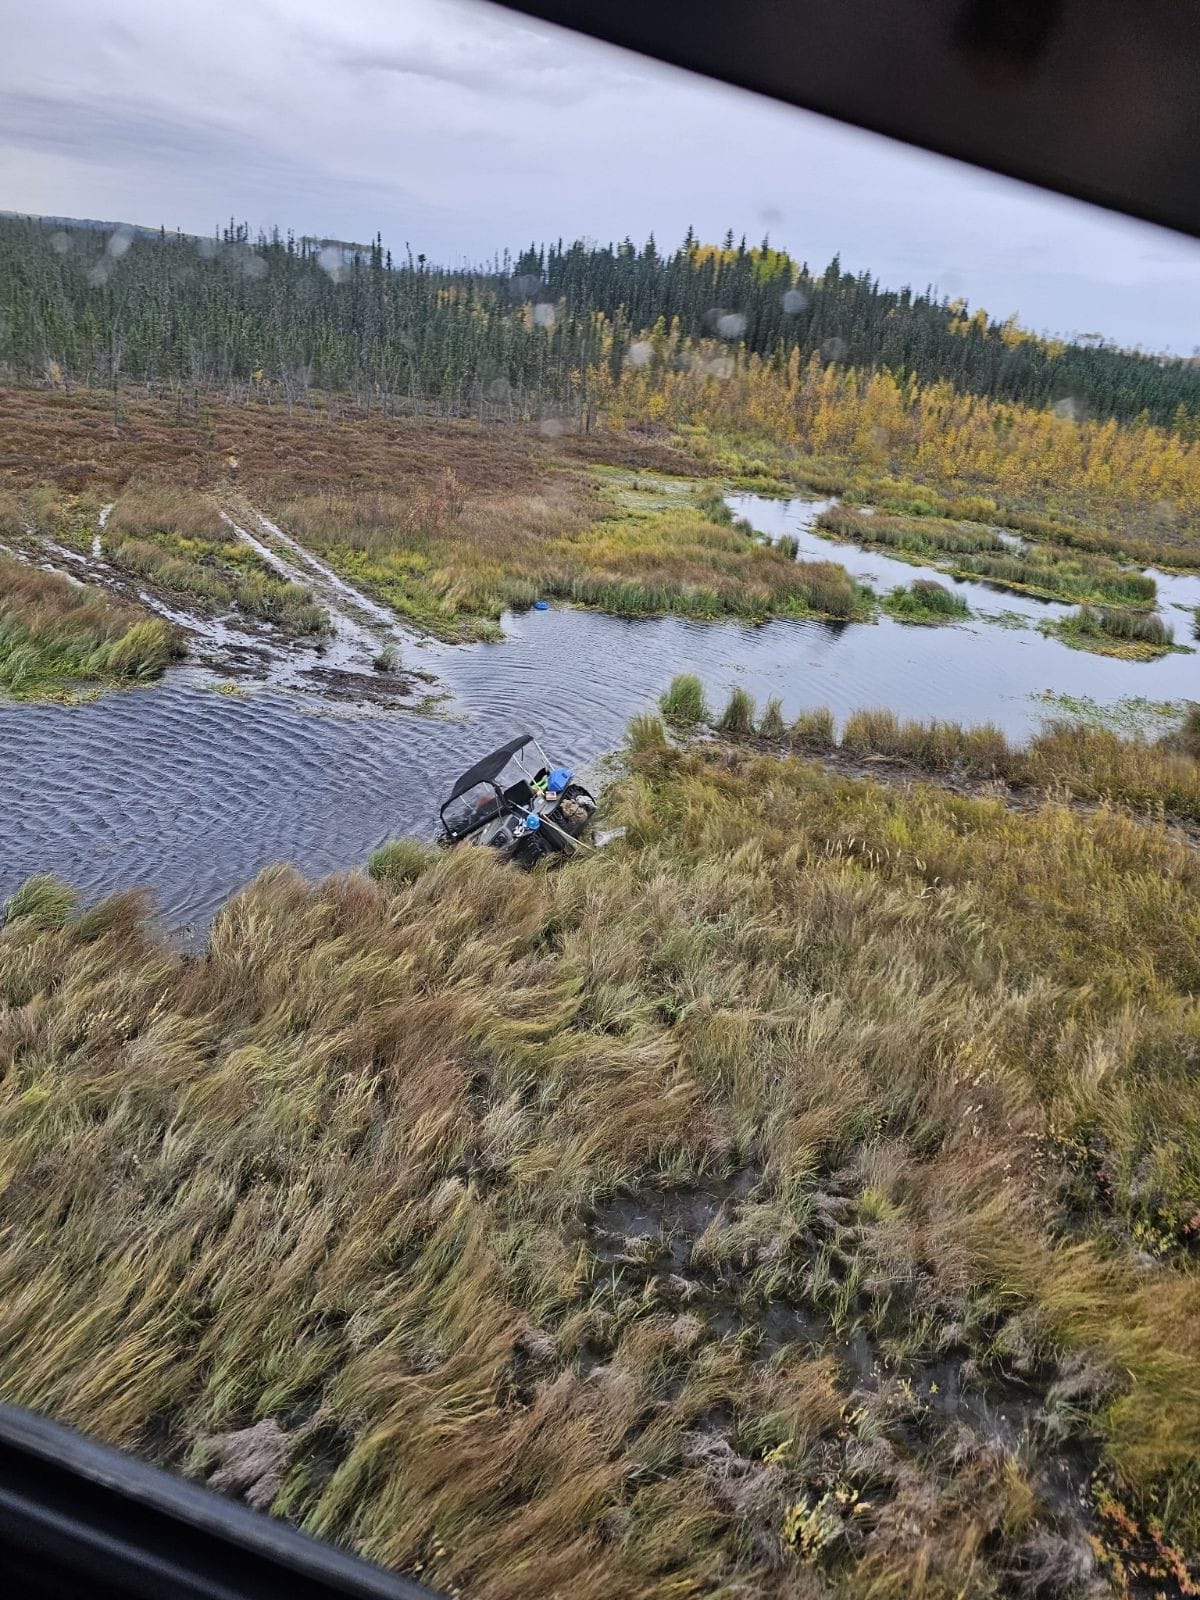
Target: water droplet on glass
(835, 348)
(731, 325)
(793, 301)
(1067, 409)
(525, 285)
(119, 241)
(639, 354)
(499, 389)
(551, 427)
(60, 242)
(543, 315)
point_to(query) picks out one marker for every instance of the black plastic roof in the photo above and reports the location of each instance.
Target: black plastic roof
(485, 770)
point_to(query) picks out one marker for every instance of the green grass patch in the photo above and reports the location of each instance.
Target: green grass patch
(683, 703)
(925, 601)
(1128, 635)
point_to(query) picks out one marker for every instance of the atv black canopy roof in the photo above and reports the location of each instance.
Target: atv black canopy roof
(490, 766)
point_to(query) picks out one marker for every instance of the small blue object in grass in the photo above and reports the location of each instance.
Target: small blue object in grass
(541, 605)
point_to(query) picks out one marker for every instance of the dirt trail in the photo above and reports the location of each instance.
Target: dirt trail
(362, 627)
(98, 536)
(332, 583)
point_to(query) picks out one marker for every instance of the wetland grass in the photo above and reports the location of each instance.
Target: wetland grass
(55, 633)
(925, 601)
(683, 703)
(1128, 635)
(683, 1223)
(176, 541)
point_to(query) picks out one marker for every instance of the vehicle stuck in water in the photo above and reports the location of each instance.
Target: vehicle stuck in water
(517, 801)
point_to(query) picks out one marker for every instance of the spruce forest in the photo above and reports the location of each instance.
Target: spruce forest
(553, 328)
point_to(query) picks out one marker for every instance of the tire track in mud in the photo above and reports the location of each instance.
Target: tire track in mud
(362, 628)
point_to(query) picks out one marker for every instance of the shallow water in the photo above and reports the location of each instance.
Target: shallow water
(190, 792)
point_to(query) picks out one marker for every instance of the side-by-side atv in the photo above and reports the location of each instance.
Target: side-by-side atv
(518, 802)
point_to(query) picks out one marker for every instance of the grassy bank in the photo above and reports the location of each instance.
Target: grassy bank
(1082, 760)
(55, 634)
(918, 539)
(799, 1197)
(1046, 570)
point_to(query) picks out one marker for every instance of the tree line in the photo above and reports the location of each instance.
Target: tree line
(546, 330)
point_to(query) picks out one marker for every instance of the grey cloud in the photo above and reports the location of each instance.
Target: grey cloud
(111, 129)
(549, 83)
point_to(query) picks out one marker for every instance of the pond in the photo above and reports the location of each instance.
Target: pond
(190, 792)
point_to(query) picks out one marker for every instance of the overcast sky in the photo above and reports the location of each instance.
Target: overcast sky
(461, 129)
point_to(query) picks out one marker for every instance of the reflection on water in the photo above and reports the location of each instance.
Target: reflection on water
(191, 792)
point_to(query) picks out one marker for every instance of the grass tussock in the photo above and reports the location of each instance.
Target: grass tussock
(1128, 635)
(812, 730)
(680, 1224)
(54, 633)
(926, 601)
(400, 861)
(772, 724)
(683, 703)
(738, 715)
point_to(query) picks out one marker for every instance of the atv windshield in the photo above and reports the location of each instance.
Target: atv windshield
(511, 774)
(471, 810)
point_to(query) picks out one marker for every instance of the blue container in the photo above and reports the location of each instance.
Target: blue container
(541, 605)
(533, 822)
(558, 780)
